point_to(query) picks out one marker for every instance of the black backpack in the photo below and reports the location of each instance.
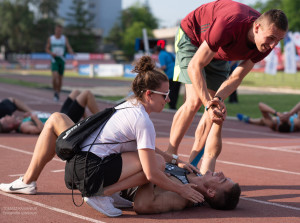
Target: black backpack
(68, 142)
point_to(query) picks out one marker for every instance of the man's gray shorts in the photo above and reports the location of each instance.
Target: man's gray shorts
(215, 73)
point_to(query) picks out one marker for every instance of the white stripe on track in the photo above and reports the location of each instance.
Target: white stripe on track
(270, 203)
(282, 149)
(251, 166)
(258, 167)
(23, 151)
(275, 135)
(16, 175)
(184, 155)
(57, 171)
(51, 208)
(261, 147)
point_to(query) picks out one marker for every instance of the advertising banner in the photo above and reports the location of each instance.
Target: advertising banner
(289, 54)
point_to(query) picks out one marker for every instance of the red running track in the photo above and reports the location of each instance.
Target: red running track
(266, 165)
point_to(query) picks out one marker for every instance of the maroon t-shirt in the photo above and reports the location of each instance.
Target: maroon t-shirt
(224, 25)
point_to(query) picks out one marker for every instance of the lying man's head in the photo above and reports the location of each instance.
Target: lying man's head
(220, 192)
(9, 123)
(284, 127)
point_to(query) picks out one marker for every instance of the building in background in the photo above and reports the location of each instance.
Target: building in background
(168, 34)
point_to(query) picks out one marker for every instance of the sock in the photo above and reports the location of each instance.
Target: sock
(243, 118)
(196, 160)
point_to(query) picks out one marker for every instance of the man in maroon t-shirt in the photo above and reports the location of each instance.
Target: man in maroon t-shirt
(207, 39)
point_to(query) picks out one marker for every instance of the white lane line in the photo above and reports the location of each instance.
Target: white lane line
(258, 167)
(51, 208)
(251, 166)
(261, 147)
(278, 135)
(58, 171)
(16, 175)
(184, 155)
(270, 203)
(26, 152)
(29, 96)
(275, 135)
(283, 149)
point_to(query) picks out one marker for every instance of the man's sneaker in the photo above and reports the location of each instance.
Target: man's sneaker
(56, 97)
(120, 202)
(18, 187)
(104, 205)
(243, 118)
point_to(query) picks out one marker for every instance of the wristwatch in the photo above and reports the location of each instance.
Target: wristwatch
(174, 159)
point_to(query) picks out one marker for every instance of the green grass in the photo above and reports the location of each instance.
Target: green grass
(248, 104)
(22, 83)
(280, 80)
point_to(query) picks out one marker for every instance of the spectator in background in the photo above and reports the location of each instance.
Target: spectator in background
(167, 63)
(56, 47)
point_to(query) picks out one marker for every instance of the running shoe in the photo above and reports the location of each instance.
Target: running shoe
(18, 187)
(120, 202)
(243, 118)
(104, 205)
(56, 97)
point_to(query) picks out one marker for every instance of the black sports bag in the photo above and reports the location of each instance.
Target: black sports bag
(68, 142)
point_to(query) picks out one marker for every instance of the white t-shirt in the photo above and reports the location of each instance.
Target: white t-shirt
(130, 123)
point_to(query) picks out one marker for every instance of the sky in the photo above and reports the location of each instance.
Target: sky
(169, 12)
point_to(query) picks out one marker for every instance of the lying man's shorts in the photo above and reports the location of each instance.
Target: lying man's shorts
(72, 109)
(215, 73)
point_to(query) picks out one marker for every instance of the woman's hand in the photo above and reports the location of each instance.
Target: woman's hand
(188, 192)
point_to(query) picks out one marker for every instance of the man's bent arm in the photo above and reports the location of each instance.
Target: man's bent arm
(202, 57)
(235, 79)
(153, 200)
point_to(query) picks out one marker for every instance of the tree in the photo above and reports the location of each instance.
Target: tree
(42, 30)
(129, 27)
(79, 27)
(48, 8)
(290, 7)
(16, 26)
(131, 33)
(292, 10)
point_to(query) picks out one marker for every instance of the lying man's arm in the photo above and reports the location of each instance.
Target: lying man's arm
(151, 199)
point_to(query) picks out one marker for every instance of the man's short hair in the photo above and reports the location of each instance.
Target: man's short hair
(276, 17)
(226, 200)
(59, 25)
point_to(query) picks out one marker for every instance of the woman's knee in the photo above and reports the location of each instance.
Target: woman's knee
(58, 122)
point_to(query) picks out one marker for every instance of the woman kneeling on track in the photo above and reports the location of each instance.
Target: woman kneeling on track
(114, 167)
